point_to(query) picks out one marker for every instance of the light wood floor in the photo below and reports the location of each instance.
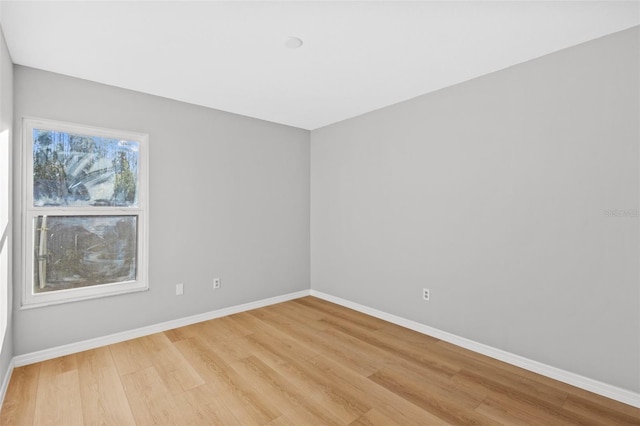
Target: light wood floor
(303, 362)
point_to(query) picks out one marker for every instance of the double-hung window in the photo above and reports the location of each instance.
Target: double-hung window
(85, 203)
(5, 229)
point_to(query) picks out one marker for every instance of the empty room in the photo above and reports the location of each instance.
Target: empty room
(319, 212)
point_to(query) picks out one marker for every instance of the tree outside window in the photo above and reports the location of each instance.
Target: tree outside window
(86, 202)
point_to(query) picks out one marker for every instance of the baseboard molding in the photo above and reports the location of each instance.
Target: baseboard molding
(600, 388)
(85, 345)
(5, 381)
(591, 385)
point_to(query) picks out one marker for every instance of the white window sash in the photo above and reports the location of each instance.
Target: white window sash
(30, 299)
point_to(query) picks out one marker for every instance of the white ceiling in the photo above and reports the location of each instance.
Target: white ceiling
(356, 57)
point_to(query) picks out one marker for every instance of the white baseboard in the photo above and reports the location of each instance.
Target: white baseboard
(85, 345)
(591, 385)
(600, 388)
(5, 381)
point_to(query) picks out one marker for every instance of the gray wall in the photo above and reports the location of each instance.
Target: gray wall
(229, 198)
(493, 194)
(6, 121)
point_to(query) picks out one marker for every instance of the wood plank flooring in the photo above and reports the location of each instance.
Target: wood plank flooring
(302, 362)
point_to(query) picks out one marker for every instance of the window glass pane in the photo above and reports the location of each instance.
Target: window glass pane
(78, 170)
(5, 193)
(82, 251)
(5, 198)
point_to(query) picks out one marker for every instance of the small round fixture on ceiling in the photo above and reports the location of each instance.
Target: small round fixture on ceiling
(293, 42)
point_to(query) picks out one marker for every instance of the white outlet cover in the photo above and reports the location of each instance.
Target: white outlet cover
(179, 289)
(426, 294)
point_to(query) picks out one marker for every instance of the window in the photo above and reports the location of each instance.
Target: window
(86, 212)
(5, 229)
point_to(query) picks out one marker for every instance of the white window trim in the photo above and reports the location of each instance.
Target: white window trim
(6, 225)
(33, 300)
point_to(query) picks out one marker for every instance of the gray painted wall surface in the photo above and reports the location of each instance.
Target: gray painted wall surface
(229, 198)
(6, 121)
(494, 195)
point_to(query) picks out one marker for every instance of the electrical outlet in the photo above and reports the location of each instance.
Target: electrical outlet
(179, 289)
(425, 294)
(216, 283)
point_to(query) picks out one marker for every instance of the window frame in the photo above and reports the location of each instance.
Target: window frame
(30, 299)
(6, 225)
